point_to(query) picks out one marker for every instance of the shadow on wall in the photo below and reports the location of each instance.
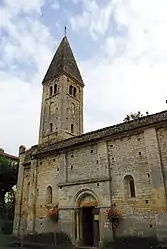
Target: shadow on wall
(59, 238)
(136, 243)
(46, 240)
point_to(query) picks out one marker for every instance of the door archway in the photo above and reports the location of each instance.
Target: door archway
(87, 219)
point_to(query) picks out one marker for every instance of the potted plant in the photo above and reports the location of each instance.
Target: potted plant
(53, 213)
(113, 216)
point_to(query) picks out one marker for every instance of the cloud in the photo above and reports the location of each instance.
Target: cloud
(55, 5)
(25, 6)
(26, 52)
(131, 73)
(19, 108)
(126, 74)
(93, 17)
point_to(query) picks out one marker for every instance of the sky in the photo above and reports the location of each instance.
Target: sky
(120, 47)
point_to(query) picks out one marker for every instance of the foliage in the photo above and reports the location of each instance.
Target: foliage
(53, 213)
(10, 204)
(113, 215)
(8, 176)
(134, 116)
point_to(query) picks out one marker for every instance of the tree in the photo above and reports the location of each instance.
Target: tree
(8, 176)
(134, 116)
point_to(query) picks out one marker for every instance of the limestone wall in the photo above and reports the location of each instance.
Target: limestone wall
(99, 168)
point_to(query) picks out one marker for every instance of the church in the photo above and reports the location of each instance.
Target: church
(96, 186)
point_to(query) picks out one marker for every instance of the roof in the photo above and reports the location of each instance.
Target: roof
(122, 128)
(10, 156)
(63, 62)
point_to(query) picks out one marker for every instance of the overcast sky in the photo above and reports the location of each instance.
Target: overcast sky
(120, 46)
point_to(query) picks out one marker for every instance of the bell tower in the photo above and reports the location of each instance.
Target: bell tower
(62, 98)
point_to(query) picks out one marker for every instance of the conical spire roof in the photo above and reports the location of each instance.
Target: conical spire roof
(63, 62)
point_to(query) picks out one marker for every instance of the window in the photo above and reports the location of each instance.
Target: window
(50, 91)
(129, 186)
(55, 88)
(72, 128)
(74, 92)
(70, 89)
(49, 195)
(132, 188)
(51, 127)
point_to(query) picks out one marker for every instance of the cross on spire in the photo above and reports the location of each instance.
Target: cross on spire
(65, 31)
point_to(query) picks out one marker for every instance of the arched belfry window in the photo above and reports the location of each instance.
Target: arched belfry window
(55, 88)
(129, 186)
(50, 91)
(70, 89)
(72, 128)
(51, 127)
(74, 92)
(49, 195)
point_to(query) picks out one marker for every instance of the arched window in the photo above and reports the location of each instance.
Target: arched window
(50, 91)
(132, 188)
(72, 128)
(70, 89)
(55, 88)
(28, 191)
(75, 91)
(129, 186)
(49, 195)
(51, 127)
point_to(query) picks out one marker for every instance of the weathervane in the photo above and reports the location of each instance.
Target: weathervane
(65, 30)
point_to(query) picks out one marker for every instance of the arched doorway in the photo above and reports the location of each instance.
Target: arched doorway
(87, 220)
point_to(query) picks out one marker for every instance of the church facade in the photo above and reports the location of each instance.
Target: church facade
(75, 183)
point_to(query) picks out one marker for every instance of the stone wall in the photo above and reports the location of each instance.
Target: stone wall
(19, 196)
(162, 144)
(58, 110)
(48, 173)
(128, 157)
(99, 168)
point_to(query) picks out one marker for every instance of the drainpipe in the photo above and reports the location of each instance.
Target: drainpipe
(35, 195)
(109, 174)
(21, 200)
(110, 187)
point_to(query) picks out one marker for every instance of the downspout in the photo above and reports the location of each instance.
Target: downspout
(110, 188)
(66, 167)
(21, 201)
(35, 196)
(109, 174)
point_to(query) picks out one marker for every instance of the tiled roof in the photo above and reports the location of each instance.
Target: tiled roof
(63, 62)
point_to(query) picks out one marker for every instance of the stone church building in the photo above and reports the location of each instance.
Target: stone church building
(82, 176)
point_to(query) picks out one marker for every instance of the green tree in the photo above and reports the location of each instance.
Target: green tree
(8, 178)
(133, 116)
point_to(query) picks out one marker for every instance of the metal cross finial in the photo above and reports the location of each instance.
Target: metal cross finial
(65, 30)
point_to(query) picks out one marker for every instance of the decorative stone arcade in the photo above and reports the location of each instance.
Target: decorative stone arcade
(87, 220)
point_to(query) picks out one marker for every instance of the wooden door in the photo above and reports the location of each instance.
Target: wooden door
(96, 230)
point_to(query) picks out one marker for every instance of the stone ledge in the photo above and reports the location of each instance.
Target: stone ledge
(93, 180)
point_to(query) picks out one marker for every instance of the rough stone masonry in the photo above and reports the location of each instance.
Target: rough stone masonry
(123, 167)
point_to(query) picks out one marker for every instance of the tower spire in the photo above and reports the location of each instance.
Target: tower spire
(62, 101)
(63, 62)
